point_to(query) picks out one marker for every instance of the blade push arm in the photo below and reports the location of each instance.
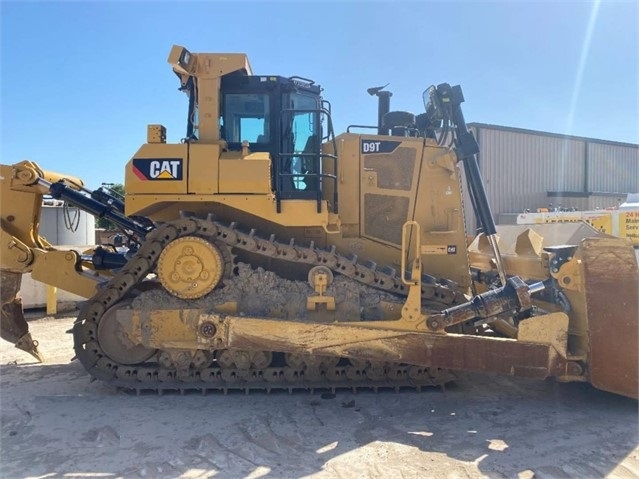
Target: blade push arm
(23, 250)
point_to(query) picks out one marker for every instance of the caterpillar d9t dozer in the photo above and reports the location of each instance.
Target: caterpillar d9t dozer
(266, 252)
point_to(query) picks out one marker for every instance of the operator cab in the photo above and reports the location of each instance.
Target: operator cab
(281, 116)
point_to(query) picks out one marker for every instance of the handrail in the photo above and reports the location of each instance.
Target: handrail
(317, 156)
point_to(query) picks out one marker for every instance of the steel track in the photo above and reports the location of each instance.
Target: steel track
(150, 376)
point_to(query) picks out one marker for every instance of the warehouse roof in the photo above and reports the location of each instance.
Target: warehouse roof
(555, 135)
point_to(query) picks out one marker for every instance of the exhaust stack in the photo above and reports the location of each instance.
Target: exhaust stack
(383, 106)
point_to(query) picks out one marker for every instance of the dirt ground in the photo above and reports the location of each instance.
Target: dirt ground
(56, 424)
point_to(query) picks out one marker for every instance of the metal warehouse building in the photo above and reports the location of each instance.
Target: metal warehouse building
(526, 169)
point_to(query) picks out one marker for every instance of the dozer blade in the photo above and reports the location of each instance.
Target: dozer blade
(611, 282)
(13, 325)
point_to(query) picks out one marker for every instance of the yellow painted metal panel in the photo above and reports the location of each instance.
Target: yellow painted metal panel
(294, 212)
(203, 168)
(252, 174)
(438, 210)
(157, 168)
(347, 170)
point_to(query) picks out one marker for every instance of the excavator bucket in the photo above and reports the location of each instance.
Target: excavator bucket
(611, 288)
(13, 325)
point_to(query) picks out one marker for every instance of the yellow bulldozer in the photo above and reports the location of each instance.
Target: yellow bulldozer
(265, 252)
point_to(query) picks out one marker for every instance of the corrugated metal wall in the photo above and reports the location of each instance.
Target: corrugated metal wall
(613, 168)
(600, 202)
(520, 167)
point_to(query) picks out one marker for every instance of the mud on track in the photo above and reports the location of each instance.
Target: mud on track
(55, 424)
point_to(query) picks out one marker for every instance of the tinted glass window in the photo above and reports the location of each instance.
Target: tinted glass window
(245, 117)
(305, 134)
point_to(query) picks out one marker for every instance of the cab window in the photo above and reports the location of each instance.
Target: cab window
(304, 138)
(245, 117)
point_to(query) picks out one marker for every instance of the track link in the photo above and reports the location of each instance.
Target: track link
(151, 376)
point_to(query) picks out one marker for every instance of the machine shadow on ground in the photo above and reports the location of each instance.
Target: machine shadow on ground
(55, 422)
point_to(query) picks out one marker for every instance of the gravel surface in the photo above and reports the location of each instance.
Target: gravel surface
(56, 424)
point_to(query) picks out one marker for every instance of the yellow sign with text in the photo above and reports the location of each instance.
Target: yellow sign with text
(629, 226)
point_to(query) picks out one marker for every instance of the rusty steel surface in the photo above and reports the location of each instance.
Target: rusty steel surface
(449, 351)
(612, 299)
(13, 325)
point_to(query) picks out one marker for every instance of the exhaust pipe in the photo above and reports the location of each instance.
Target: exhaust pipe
(383, 106)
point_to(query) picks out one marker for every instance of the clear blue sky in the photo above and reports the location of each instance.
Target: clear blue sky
(81, 80)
